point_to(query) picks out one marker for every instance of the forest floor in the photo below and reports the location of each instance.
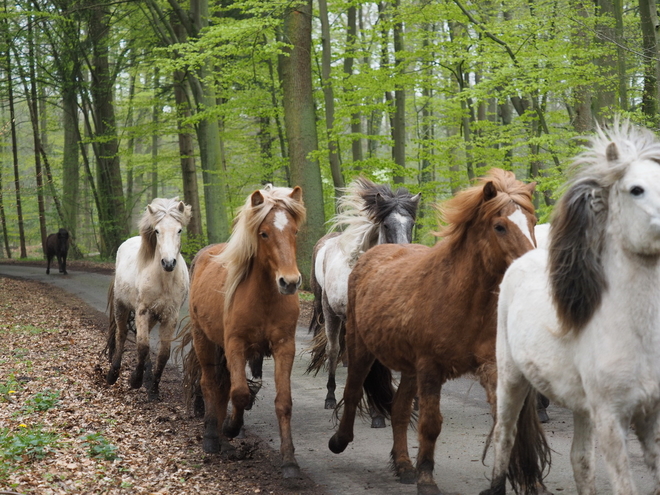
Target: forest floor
(63, 430)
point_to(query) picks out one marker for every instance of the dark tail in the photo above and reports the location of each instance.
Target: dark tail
(111, 343)
(379, 389)
(317, 350)
(316, 321)
(531, 455)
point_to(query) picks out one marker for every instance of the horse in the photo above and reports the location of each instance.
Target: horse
(580, 322)
(150, 285)
(369, 214)
(57, 245)
(243, 304)
(429, 312)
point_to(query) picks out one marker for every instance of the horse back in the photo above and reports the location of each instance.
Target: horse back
(412, 302)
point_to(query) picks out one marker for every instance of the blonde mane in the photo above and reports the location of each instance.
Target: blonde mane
(154, 213)
(242, 245)
(459, 211)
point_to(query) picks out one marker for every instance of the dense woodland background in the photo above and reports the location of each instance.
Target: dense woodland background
(106, 105)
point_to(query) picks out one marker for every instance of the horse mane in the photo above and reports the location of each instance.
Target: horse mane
(460, 211)
(577, 231)
(242, 245)
(360, 211)
(158, 209)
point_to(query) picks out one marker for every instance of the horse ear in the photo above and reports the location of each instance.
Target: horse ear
(612, 152)
(151, 210)
(296, 194)
(531, 187)
(181, 206)
(577, 278)
(257, 198)
(416, 198)
(489, 191)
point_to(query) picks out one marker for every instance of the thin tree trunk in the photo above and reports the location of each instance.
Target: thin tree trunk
(328, 93)
(155, 118)
(648, 20)
(356, 116)
(621, 56)
(3, 218)
(399, 120)
(14, 143)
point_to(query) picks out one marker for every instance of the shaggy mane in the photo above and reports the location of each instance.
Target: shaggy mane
(577, 232)
(242, 244)
(161, 208)
(361, 210)
(468, 205)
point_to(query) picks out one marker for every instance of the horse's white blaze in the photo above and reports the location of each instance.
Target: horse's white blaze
(402, 219)
(281, 220)
(519, 218)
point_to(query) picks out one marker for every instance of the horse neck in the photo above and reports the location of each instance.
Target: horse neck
(631, 273)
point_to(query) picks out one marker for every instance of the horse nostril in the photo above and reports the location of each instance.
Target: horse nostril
(282, 282)
(173, 262)
(299, 282)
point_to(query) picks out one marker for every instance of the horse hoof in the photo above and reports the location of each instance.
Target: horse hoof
(337, 446)
(228, 451)
(211, 445)
(241, 433)
(543, 415)
(230, 429)
(330, 403)
(111, 377)
(290, 471)
(378, 422)
(428, 489)
(153, 395)
(408, 477)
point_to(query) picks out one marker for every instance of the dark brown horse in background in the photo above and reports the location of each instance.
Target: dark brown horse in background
(430, 313)
(243, 305)
(57, 245)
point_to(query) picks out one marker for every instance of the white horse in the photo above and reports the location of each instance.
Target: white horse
(150, 285)
(369, 214)
(580, 322)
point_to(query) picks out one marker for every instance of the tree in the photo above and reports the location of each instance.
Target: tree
(300, 121)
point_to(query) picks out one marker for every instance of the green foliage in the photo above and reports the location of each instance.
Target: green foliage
(98, 447)
(8, 388)
(24, 444)
(190, 246)
(42, 401)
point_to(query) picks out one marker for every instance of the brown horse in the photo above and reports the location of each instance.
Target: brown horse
(430, 314)
(243, 304)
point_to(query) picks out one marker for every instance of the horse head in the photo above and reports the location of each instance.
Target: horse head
(62, 240)
(614, 196)
(277, 242)
(496, 217)
(396, 216)
(161, 229)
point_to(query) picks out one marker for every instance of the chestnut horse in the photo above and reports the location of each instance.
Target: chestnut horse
(438, 320)
(243, 305)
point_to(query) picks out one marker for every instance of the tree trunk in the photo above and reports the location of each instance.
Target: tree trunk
(207, 130)
(399, 120)
(356, 116)
(14, 143)
(155, 118)
(648, 19)
(112, 214)
(622, 78)
(300, 122)
(328, 93)
(3, 218)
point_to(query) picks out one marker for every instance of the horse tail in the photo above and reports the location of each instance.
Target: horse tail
(318, 348)
(379, 390)
(111, 343)
(317, 320)
(531, 454)
(192, 370)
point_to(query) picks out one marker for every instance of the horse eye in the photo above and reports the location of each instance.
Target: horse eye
(180, 230)
(500, 229)
(263, 235)
(157, 231)
(637, 191)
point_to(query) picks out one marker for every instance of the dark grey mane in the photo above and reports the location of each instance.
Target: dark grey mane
(380, 201)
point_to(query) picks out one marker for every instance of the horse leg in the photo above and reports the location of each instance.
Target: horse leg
(256, 368)
(59, 263)
(214, 383)
(283, 354)
(611, 430)
(49, 258)
(401, 411)
(239, 393)
(583, 454)
(429, 384)
(333, 325)
(512, 388)
(165, 335)
(143, 325)
(360, 361)
(117, 350)
(647, 429)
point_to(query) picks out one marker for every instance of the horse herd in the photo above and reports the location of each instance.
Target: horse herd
(578, 322)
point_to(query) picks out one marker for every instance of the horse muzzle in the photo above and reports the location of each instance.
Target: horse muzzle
(168, 265)
(286, 287)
